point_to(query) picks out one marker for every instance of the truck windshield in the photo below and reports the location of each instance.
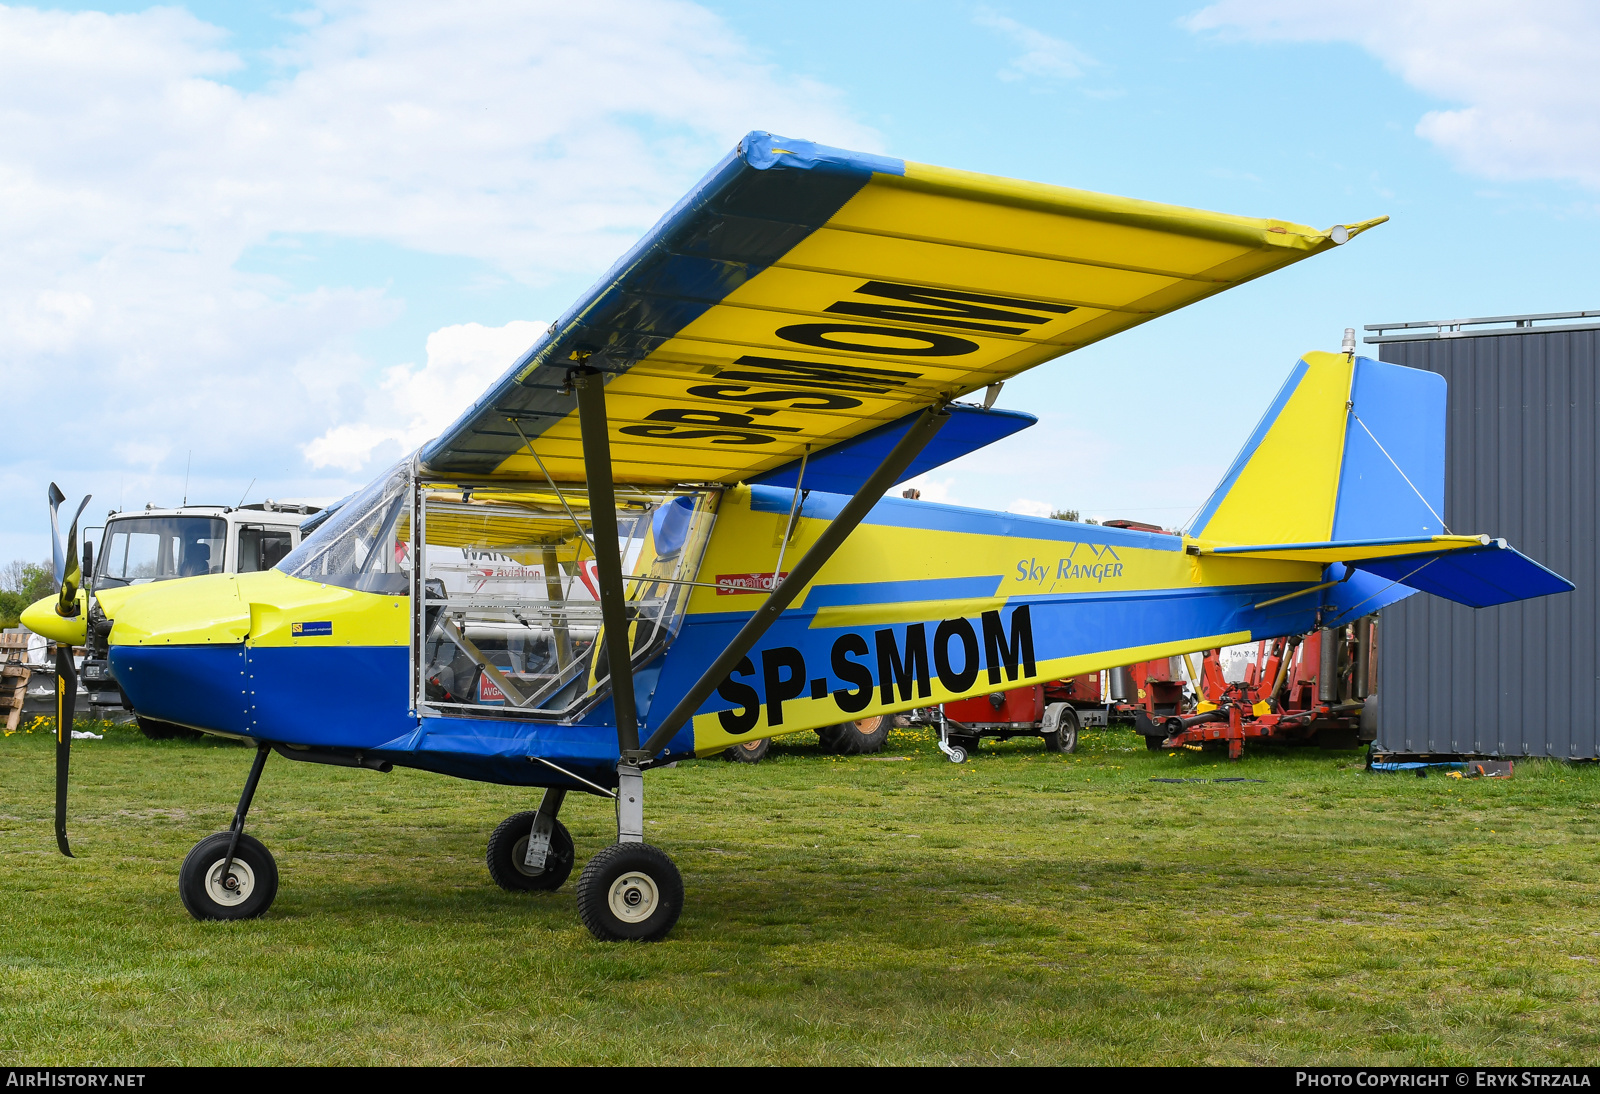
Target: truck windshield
(140, 549)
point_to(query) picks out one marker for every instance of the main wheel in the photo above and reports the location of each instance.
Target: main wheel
(1065, 736)
(747, 752)
(246, 892)
(856, 738)
(508, 853)
(630, 892)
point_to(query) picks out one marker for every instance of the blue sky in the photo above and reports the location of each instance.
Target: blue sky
(293, 240)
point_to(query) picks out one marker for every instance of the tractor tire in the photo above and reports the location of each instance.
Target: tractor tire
(856, 738)
(747, 752)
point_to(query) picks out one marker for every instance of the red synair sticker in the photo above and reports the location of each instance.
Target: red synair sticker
(739, 584)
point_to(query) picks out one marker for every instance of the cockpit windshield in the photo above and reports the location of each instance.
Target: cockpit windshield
(365, 544)
(136, 550)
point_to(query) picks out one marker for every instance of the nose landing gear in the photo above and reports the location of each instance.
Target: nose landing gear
(230, 875)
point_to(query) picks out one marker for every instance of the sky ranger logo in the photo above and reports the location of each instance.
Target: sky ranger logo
(1097, 564)
(887, 670)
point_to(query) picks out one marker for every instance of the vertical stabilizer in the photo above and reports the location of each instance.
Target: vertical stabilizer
(1350, 449)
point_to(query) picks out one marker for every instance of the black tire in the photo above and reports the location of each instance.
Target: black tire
(968, 743)
(253, 868)
(630, 875)
(508, 847)
(857, 738)
(166, 731)
(747, 752)
(1153, 743)
(1065, 738)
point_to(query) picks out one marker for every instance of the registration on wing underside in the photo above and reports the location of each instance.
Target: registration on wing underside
(795, 301)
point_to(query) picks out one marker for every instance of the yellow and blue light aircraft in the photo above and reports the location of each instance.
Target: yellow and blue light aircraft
(690, 465)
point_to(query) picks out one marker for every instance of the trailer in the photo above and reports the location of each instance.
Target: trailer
(1057, 710)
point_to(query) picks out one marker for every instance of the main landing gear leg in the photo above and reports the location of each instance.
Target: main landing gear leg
(532, 852)
(630, 890)
(230, 875)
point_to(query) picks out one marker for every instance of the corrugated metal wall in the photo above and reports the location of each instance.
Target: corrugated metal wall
(1523, 463)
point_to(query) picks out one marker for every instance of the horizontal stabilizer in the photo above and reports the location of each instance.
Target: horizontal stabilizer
(1349, 550)
(1478, 577)
(842, 468)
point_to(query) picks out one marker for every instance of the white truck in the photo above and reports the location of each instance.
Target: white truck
(153, 544)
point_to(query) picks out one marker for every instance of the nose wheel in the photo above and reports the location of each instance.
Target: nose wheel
(213, 888)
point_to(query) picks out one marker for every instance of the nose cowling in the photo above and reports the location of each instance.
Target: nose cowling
(178, 651)
(266, 655)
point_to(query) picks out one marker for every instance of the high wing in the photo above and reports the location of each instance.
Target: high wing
(803, 296)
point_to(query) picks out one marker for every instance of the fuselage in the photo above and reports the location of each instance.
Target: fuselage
(924, 603)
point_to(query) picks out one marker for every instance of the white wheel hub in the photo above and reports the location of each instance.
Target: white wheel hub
(633, 897)
(244, 883)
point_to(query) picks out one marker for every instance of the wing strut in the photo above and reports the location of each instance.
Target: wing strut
(590, 386)
(927, 424)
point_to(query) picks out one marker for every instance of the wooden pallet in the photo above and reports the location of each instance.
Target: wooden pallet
(14, 676)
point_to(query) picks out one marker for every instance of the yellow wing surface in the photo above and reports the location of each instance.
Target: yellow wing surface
(802, 296)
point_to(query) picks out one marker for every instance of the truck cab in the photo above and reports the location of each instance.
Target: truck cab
(148, 545)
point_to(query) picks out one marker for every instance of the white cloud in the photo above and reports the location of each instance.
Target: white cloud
(540, 138)
(1524, 74)
(413, 405)
(1042, 54)
(1030, 508)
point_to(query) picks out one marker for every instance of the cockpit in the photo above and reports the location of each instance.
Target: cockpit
(505, 610)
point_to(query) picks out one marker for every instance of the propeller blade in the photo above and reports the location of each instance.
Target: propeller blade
(58, 558)
(72, 573)
(66, 701)
(69, 575)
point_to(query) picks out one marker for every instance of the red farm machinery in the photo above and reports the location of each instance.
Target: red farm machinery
(1304, 689)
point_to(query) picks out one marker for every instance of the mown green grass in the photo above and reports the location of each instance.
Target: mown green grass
(1022, 908)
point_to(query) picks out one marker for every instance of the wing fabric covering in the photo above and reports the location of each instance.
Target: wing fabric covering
(802, 296)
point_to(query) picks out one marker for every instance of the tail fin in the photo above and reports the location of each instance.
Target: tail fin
(1347, 467)
(1350, 449)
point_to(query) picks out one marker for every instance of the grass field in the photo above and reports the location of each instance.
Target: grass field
(1022, 908)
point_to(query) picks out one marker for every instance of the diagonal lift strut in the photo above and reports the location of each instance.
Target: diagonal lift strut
(922, 430)
(589, 385)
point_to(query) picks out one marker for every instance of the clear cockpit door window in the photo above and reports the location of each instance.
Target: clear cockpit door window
(510, 615)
